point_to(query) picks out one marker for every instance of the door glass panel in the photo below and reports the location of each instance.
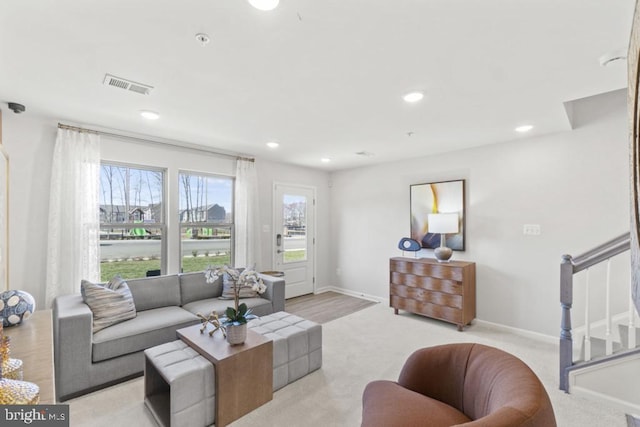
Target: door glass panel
(294, 221)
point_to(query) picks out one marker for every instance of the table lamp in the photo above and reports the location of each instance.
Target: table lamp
(443, 223)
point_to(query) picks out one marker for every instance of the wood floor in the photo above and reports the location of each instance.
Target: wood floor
(326, 306)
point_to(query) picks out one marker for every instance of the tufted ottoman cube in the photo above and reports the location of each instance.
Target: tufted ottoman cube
(179, 385)
(297, 345)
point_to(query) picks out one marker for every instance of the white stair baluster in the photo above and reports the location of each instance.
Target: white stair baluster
(632, 320)
(608, 336)
(587, 321)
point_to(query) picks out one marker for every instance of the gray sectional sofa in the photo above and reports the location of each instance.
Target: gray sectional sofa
(85, 361)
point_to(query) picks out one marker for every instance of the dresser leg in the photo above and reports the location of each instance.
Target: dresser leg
(395, 311)
(460, 328)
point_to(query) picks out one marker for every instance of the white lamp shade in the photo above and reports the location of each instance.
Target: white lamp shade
(443, 223)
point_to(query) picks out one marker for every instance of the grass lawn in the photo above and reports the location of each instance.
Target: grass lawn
(136, 269)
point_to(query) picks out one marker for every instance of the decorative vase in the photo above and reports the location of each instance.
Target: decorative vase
(236, 334)
(16, 306)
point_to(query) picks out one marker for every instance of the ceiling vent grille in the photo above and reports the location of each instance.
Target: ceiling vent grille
(119, 82)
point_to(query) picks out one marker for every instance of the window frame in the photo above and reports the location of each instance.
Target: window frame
(206, 224)
(162, 226)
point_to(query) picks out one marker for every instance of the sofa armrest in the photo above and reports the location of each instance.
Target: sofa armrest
(274, 292)
(72, 341)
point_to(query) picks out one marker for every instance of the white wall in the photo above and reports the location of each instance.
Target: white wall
(574, 184)
(30, 140)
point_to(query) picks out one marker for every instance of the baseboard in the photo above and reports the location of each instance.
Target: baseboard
(522, 332)
(621, 405)
(350, 293)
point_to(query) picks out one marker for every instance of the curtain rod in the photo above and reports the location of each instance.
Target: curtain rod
(145, 140)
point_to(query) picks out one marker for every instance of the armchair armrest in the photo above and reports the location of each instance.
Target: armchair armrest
(274, 292)
(72, 341)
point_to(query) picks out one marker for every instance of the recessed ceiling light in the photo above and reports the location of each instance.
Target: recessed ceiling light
(325, 160)
(149, 115)
(264, 4)
(413, 97)
(523, 129)
(272, 144)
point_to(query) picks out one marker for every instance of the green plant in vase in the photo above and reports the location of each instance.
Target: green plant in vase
(237, 284)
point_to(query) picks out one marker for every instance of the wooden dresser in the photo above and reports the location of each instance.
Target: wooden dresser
(441, 290)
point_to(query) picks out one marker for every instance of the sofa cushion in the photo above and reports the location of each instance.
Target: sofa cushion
(259, 306)
(148, 329)
(155, 292)
(387, 404)
(194, 287)
(110, 303)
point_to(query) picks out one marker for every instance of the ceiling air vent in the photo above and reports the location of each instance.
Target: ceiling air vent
(125, 84)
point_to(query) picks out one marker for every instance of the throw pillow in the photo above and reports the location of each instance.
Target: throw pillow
(246, 291)
(110, 303)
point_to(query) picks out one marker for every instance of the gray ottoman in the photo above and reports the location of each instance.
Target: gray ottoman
(179, 385)
(297, 345)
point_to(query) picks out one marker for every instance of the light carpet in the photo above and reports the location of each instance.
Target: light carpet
(367, 345)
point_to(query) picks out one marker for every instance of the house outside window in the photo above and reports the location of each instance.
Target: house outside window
(132, 223)
(206, 220)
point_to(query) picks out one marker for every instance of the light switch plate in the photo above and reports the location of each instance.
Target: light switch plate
(531, 230)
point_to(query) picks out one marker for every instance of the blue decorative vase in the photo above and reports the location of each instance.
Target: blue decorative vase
(16, 306)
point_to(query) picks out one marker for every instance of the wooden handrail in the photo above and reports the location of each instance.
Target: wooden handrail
(568, 267)
(594, 256)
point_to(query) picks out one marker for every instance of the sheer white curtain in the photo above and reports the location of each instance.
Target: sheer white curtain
(74, 219)
(247, 237)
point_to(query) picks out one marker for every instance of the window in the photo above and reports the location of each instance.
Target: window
(132, 224)
(206, 221)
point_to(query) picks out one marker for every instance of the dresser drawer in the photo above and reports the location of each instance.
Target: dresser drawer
(439, 298)
(426, 282)
(428, 309)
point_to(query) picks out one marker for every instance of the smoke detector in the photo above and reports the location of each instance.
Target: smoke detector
(203, 39)
(130, 85)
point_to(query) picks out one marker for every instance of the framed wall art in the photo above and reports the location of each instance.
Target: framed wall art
(437, 197)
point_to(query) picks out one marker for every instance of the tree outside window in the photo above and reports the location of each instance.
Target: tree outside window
(132, 225)
(206, 220)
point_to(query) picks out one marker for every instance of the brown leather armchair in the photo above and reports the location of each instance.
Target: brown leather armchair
(467, 385)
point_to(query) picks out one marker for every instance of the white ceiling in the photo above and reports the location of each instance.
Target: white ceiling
(324, 78)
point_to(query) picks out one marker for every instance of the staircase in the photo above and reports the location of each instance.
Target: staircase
(603, 361)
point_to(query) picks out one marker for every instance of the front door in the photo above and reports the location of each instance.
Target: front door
(294, 237)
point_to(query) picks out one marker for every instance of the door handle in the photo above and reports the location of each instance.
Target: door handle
(279, 240)
(279, 251)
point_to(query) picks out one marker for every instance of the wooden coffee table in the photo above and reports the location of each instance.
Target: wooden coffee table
(244, 373)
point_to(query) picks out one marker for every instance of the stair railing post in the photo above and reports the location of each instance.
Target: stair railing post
(566, 300)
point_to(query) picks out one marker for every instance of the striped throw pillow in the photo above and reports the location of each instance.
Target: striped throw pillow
(110, 303)
(228, 292)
